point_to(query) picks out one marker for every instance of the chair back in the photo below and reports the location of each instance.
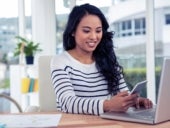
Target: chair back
(5, 96)
(47, 97)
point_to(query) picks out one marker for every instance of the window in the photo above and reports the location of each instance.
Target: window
(116, 28)
(126, 28)
(140, 26)
(167, 19)
(8, 30)
(129, 27)
(123, 28)
(62, 10)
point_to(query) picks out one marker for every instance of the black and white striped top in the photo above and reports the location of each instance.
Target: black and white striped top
(79, 88)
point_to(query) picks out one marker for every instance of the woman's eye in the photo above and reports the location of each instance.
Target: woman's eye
(86, 31)
(98, 31)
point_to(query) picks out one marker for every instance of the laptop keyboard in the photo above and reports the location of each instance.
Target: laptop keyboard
(145, 114)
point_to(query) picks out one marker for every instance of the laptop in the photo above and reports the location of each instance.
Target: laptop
(159, 113)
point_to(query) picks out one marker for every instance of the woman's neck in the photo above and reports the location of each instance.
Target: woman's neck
(85, 58)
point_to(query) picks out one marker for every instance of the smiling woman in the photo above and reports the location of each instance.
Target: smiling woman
(87, 77)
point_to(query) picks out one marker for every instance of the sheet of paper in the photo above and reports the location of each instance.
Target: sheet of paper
(32, 120)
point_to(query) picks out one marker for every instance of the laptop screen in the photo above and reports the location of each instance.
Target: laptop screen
(163, 101)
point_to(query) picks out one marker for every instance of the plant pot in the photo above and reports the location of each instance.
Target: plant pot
(29, 59)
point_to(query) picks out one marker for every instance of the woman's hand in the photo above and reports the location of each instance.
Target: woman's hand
(120, 102)
(143, 102)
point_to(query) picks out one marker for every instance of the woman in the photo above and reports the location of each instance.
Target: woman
(87, 77)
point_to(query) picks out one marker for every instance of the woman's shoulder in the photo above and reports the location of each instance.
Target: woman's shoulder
(59, 60)
(61, 56)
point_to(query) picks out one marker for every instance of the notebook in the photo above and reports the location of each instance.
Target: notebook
(159, 113)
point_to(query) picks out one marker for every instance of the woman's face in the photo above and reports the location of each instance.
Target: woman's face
(88, 34)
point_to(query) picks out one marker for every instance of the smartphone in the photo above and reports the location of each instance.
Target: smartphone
(138, 87)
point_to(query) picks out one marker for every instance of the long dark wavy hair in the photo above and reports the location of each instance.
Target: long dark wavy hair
(104, 54)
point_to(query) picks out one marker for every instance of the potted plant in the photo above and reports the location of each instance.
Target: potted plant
(26, 47)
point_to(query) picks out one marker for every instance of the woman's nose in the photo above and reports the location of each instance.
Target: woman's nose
(93, 35)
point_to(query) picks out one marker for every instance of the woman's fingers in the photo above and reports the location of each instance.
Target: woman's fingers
(143, 102)
(124, 93)
(147, 103)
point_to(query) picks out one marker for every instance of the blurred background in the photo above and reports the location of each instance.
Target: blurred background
(141, 38)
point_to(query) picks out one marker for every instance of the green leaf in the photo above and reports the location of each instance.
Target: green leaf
(30, 47)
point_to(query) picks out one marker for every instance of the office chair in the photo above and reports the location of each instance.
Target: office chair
(12, 100)
(47, 97)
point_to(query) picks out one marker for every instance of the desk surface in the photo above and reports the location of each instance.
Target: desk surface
(90, 121)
